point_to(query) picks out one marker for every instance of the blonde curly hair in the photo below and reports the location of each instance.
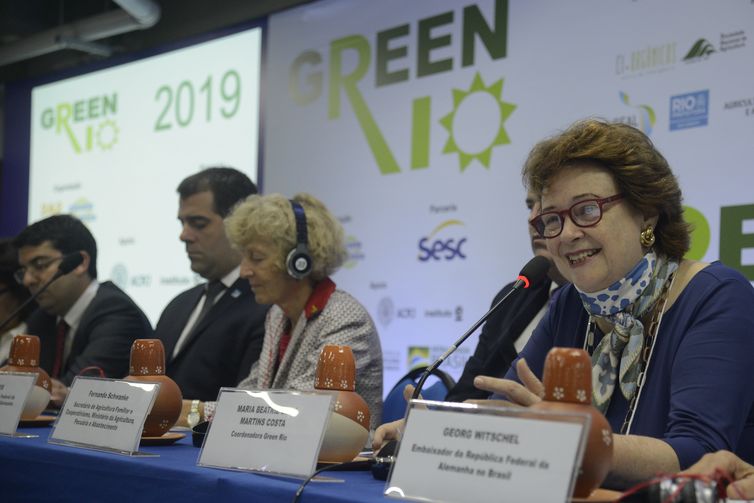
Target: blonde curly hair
(269, 218)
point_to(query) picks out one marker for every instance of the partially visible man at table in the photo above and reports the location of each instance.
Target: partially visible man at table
(213, 332)
(81, 323)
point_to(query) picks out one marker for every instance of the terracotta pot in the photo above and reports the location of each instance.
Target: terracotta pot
(148, 365)
(567, 380)
(24, 357)
(348, 428)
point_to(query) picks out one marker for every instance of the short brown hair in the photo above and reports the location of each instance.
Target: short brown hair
(639, 169)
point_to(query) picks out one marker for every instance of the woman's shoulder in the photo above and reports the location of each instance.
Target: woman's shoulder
(696, 278)
(344, 305)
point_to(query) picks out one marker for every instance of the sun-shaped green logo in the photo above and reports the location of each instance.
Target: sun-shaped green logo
(476, 125)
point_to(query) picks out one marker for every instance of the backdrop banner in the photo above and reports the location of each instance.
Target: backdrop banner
(411, 121)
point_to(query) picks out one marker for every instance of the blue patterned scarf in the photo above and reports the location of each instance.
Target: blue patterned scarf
(622, 304)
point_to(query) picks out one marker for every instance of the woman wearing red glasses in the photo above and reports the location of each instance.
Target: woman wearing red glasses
(671, 340)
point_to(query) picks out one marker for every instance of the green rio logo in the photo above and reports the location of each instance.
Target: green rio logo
(350, 59)
(87, 123)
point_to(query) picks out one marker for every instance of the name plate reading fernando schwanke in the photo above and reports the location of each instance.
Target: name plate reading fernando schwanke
(267, 431)
(456, 450)
(105, 414)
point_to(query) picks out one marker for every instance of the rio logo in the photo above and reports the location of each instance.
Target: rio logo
(434, 247)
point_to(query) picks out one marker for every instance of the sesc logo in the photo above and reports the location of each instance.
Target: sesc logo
(434, 247)
(689, 110)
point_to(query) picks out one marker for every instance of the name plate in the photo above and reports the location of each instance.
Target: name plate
(453, 450)
(15, 388)
(267, 431)
(104, 414)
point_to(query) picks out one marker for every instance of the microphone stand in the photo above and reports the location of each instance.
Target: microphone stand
(420, 384)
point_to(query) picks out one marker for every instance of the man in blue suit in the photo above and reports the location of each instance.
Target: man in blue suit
(213, 332)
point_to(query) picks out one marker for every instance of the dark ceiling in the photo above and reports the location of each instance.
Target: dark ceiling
(179, 19)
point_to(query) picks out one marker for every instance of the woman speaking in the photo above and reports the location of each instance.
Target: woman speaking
(671, 340)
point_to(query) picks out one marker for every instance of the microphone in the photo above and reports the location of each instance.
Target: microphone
(68, 264)
(532, 273)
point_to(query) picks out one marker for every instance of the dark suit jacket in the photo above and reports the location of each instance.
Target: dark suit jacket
(495, 351)
(221, 348)
(103, 339)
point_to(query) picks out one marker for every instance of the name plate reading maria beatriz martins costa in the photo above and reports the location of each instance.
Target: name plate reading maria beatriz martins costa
(276, 432)
(464, 452)
(104, 414)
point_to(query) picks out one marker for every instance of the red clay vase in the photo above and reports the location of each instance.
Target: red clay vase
(148, 365)
(567, 379)
(348, 428)
(24, 357)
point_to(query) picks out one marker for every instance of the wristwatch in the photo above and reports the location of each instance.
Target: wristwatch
(193, 416)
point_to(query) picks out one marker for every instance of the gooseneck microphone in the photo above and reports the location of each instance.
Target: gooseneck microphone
(532, 273)
(68, 264)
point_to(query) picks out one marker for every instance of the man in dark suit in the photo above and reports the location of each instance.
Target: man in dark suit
(506, 332)
(81, 323)
(213, 332)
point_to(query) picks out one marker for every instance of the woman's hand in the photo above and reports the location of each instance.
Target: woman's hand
(392, 431)
(728, 464)
(530, 392)
(386, 432)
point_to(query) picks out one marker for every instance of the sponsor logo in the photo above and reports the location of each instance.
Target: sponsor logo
(732, 40)
(350, 61)
(391, 360)
(643, 116)
(702, 49)
(647, 60)
(354, 251)
(51, 208)
(418, 356)
(424, 355)
(83, 209)
(88, 124)
(689, 110)
(178, 281)
(119, 275)
(439, 246)
(385, 311)
(746, 105)
(455, 314)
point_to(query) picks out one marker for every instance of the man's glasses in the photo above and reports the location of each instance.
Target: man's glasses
(36, 267)
(587, 213)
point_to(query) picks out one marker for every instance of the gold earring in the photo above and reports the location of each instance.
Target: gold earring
(647, 237)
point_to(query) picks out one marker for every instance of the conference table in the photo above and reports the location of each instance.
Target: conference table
(33, 470)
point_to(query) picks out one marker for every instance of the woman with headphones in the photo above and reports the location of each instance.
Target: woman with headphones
(290, 248)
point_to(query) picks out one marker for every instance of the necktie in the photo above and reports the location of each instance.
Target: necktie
(213, 289)
(60, 333)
